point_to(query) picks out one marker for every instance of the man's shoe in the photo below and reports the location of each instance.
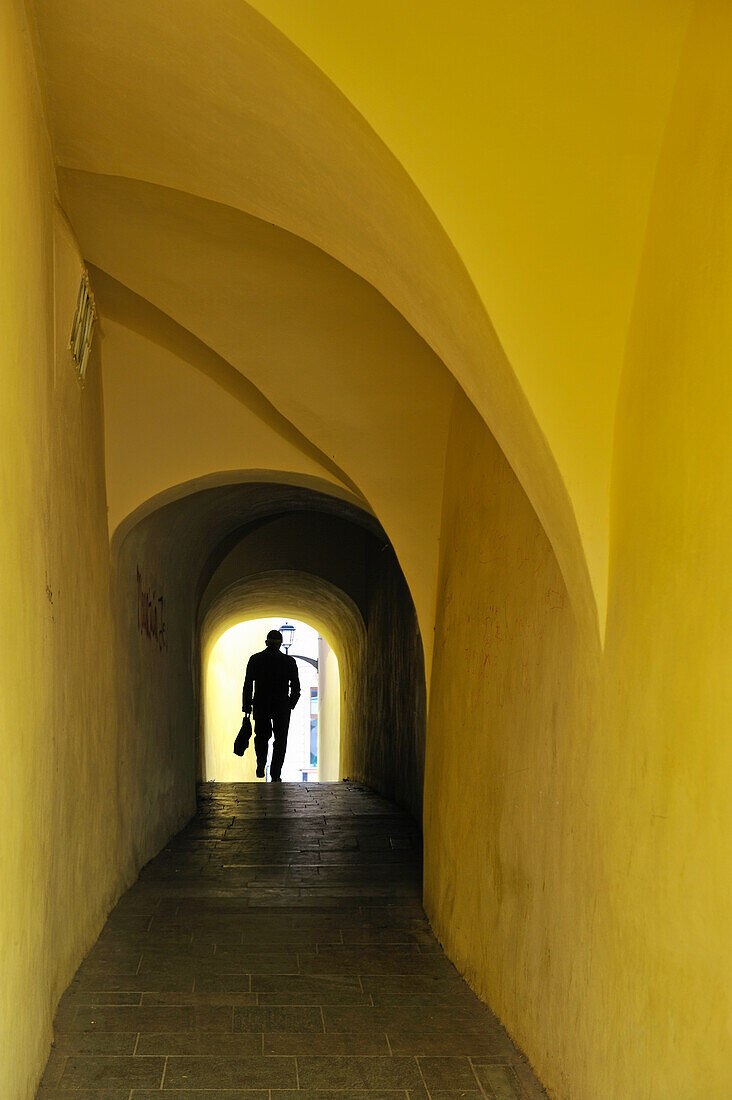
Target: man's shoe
(275, 779)
(260, 772)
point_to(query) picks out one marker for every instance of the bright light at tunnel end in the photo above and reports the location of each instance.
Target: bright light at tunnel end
(312, 719)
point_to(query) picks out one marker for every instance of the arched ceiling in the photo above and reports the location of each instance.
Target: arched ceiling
(512, 179)
(286, 591)
(533, 131)
(229, 343)
(206, 521)
(162, 384)
(302, 328)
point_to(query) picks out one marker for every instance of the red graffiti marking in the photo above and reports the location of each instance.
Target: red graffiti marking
(150, 614)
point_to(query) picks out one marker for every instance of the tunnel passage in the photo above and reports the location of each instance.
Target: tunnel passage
(189, 563)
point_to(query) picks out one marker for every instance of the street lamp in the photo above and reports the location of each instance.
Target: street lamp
(287, 631)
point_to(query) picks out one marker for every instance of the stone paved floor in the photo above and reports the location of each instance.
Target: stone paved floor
(277, 947)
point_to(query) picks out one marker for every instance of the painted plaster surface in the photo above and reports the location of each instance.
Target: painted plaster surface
(67, 847)
(533, 132)
(43, 583)
(669, 656)
(511, 836)
(329, 714)
(488, 170)
(577, 815)
(153, 399)
(329, 353)
(343, 191)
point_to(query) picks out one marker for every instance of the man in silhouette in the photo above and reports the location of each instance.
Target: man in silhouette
(271, 689)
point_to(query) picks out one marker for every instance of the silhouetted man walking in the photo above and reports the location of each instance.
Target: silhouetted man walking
(272, 678)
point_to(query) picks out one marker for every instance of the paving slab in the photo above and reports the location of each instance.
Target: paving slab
(277, 949)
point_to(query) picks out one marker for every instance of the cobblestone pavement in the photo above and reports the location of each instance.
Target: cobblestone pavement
(277, 947)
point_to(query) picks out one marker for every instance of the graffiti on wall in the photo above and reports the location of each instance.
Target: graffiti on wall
(150, 614)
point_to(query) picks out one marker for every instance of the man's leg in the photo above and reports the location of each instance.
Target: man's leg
(280, 724)
(262, 734)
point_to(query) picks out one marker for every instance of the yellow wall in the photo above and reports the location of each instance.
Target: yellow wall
(511, 840)
(329, 714)
(58, 702)
(577, 813)
(668, 814)
(77, 817)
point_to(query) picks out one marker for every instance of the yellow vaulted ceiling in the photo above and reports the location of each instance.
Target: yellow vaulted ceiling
(532, 129)
(194, 296)
(486, 166)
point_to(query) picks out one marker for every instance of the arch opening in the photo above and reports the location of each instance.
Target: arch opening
(313, 745)
(266, 599)
(233, 552)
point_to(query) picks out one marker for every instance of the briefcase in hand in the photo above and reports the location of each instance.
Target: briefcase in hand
(243, 737)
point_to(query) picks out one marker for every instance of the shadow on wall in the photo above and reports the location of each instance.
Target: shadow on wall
(313, 746)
